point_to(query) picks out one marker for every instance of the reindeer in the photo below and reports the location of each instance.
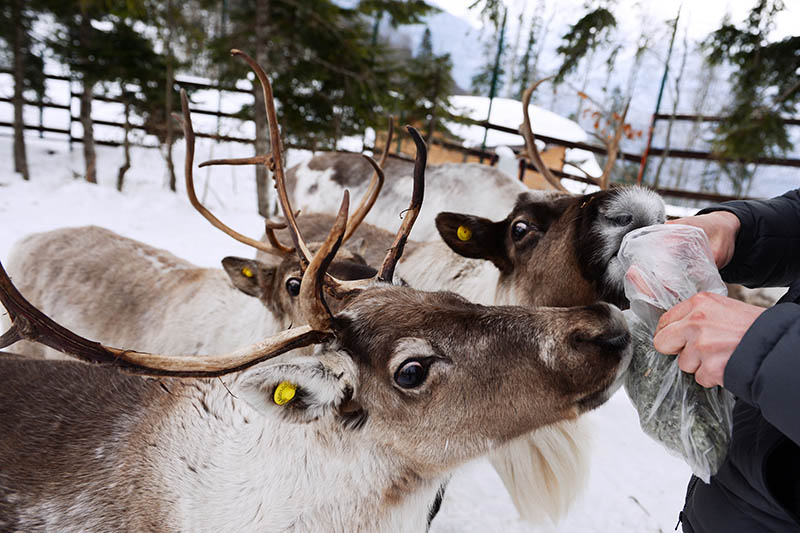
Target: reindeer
(553, 248)
(63, 271)
(357, 436)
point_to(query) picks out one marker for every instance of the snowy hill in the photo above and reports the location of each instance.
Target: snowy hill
(449, 35)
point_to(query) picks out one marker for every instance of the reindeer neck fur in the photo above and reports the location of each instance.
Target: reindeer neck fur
(432, 266)
(314, 476)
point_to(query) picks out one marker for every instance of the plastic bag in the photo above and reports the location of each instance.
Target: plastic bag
(665, 265)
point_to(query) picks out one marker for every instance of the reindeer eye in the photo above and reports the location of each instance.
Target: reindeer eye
(621, 220)
(293, 286)
(519, 230)
(410, 374)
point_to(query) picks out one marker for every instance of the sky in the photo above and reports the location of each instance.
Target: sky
(701, 17)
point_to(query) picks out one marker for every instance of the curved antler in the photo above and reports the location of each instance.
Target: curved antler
(30, 323)
(312, 303)
(386, 272)
(188, 132)
(276, 161)
(530, 140)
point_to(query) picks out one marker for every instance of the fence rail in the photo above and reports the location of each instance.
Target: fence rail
(482, 154)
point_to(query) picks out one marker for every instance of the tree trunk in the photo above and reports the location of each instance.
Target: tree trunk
(543, 30)
(513, 61)
(262, 143)
(170, 84)
(20, 49)
(585, 85)
(89, 155)
(127, 147)
(87, 90)
(434, 100)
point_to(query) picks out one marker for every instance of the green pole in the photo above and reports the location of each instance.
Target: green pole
(643, 166)
(495, 75)
(376, 26)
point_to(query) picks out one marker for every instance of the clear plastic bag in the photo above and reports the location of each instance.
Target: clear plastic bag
(665, 265)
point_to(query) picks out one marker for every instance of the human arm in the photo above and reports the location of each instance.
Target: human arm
(767, 244)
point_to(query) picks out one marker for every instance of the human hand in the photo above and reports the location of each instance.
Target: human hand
(721, 228)
(704, 331)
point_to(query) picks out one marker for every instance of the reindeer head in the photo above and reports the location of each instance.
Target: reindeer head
(555, 248)
(276, 281)
(442, 380)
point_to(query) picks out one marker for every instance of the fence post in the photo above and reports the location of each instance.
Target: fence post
(71, 118)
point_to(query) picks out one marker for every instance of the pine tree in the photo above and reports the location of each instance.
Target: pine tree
(527, 58)
(80, 45)
(328, 77)
(765, 86)
(139, 74)
(585, 36)
(490, 77)
(426, 87)
(179, 27)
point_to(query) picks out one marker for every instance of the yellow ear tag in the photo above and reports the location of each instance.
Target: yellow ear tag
(247, 272)
(284, 392)
(464, 233)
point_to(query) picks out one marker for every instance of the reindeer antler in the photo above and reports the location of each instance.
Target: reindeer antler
(530, 140)
(396, 251)
(30, 323)
(188, 132)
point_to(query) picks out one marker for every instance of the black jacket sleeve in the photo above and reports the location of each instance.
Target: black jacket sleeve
(764, 370)
(767, 252)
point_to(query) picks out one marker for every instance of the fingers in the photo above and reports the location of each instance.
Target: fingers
(689, 362)
(678, 339)
(674, 314)
(704, 331)
(635, 276)
(670, 339)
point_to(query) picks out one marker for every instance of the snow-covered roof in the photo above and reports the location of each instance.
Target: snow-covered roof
(508, 112)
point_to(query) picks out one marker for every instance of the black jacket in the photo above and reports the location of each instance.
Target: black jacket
(758, 486)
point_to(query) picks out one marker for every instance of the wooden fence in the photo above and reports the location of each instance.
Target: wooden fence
(486, 155)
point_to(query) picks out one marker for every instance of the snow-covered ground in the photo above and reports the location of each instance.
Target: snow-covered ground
(634, 486)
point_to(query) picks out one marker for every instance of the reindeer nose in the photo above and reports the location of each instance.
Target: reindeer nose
(612, 334)
(616, 341)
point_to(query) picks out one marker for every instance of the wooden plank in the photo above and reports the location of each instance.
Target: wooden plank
(710, 118)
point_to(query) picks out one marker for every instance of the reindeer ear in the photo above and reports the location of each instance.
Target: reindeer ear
(250, 276)
(475, 237)
(300, 388)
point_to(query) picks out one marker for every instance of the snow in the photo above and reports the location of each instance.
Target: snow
(508, 112)
(634, 484)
